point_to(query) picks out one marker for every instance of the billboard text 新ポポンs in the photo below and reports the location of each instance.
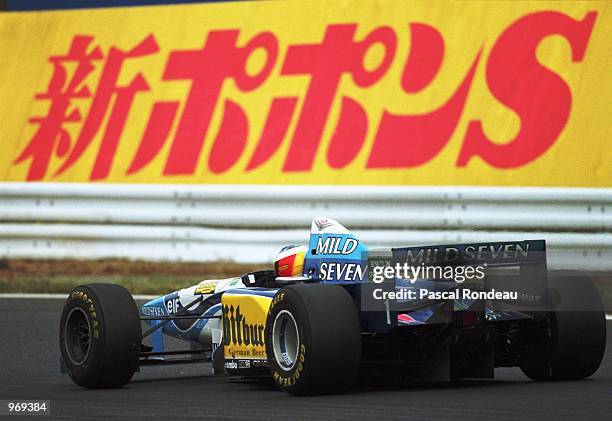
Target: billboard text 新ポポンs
(389, 92)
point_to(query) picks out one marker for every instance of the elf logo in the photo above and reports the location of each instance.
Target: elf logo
(173, 305)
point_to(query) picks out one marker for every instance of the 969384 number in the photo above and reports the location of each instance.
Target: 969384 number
(9, 407)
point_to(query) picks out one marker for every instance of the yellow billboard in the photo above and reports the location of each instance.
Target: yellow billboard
(310, 92)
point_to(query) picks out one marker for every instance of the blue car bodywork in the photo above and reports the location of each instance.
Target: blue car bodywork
(218, 317)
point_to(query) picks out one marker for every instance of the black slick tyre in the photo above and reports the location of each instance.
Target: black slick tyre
(313, 339)
(100, 336)
(570, 343)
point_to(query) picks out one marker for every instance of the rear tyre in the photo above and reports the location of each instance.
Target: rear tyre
(313, 339)
(100, 336)
(571, 343)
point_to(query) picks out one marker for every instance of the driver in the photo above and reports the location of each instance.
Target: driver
(289, 263)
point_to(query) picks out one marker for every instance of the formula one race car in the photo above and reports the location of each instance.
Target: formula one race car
(332, 311)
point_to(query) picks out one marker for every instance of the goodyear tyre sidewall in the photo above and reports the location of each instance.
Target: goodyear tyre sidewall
(84, 299)
(289, 380)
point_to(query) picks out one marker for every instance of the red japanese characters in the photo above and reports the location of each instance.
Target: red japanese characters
(541, 99)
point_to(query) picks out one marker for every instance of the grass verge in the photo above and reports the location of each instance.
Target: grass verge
(139, 277)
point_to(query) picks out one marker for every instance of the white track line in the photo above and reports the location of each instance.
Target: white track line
(61, 296)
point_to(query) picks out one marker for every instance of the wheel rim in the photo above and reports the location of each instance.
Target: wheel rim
(77, 338)
(285, 340)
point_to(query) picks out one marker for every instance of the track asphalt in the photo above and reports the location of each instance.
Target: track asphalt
(29, 369)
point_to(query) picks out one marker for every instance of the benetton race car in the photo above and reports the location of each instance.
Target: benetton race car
(324, 317)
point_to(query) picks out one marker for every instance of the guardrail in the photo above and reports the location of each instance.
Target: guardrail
(249, 223)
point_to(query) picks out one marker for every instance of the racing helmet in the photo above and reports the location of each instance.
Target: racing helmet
(289, 262)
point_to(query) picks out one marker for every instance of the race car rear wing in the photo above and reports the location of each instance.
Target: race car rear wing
(517, 266)
(509, 266)
(511, 253)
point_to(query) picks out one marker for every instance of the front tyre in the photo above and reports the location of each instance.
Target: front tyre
(313, 339)
(100, 336)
